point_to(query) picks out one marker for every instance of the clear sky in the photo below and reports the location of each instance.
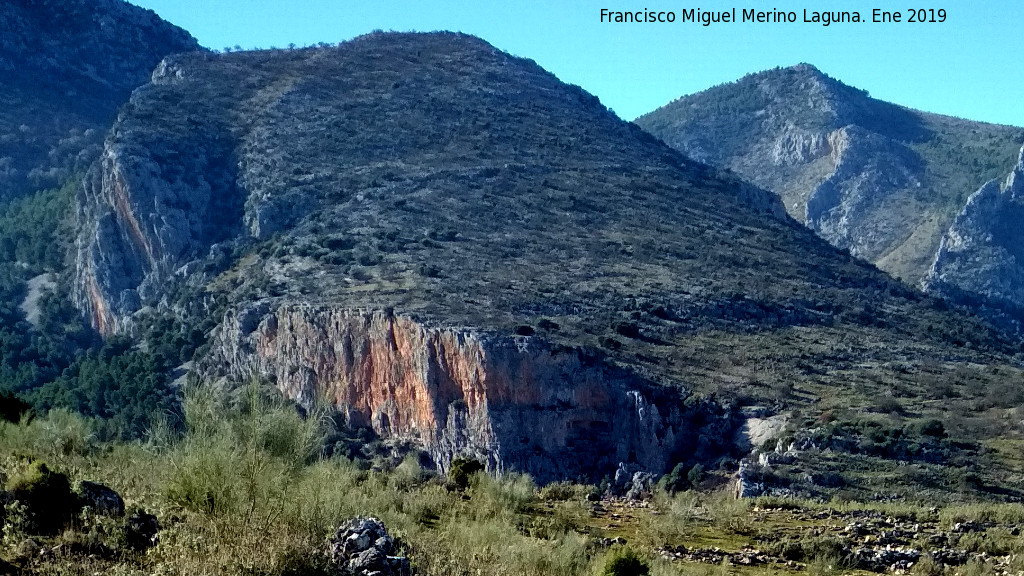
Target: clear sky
(971, 65)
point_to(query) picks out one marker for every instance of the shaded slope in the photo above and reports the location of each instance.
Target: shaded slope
(981, 258)
(67, 66)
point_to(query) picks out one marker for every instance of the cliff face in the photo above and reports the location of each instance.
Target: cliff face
(143, 218)
(877, 179)
(67, 66)
(848, 208)
(981, 259)
(516, 403)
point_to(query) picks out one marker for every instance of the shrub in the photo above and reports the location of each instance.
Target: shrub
(512, 492)
(561, 492)
(932, 427)
(624, 562)
(12, 408)
(889, 405)
(47, 496)
(675, 481)
(462, 470)
(696, 474)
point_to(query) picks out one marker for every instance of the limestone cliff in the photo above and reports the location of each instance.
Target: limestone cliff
(981, 258)
(516, 403)
(848, 208)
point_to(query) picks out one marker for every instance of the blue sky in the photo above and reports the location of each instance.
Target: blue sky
(969, 66)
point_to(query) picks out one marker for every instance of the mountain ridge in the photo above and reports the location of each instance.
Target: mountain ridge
(879, 179)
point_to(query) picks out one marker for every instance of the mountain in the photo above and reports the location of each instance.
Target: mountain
(883, 181)
(453, 247)
(980, 259)
(67, 65)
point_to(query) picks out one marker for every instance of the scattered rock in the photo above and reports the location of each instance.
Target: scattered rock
(363, 547)
(887, 558)
(965, 527)
(775, 458)
(950, 557)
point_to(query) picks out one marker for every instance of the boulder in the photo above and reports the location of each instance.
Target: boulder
(363, 547)
(102, 499)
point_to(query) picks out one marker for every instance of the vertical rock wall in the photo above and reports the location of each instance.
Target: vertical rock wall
(515, 403)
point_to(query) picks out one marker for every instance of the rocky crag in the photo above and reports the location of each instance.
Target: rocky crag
(67, 65)
(511, 402)
(451, 246)
(980, 259)
(883, 181)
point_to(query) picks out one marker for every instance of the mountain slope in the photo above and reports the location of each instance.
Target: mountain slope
(878, 179)
(67, 66)
(452, 246)
(980, 260)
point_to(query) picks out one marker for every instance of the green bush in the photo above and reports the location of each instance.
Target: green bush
(624, 562)
(462, 470)
(46, 495)
(675, 481)
(931, 427)
(242, 458)
(696, 474)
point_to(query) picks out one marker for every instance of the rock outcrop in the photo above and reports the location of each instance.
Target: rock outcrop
(67, 66)
(847, 207)
(515, 403)
(981, 258)
(363, 547)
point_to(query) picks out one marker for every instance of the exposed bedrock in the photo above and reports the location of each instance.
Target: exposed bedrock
(845, 208)
(140, 217)
(516, 403)
(981, 258)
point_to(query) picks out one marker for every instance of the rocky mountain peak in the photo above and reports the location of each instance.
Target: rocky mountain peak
(880, 180)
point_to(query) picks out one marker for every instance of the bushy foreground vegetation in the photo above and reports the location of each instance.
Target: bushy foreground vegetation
(247, 490)
(251, 494)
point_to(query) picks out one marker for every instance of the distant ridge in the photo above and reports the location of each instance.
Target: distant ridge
(873, 177)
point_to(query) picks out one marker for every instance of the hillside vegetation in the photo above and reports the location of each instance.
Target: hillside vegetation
(432, 177)
(248, 490)
(68, 66)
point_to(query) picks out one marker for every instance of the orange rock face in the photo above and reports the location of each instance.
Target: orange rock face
(515, 403)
